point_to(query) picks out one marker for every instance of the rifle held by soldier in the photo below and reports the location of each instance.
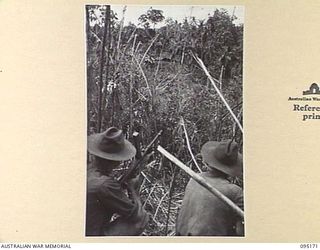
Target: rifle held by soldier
(135, 166)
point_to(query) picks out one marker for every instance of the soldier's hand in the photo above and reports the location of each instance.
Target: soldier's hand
(146, 158)
(141, 218)
(129, 226)
(125, 227)
(134, 184)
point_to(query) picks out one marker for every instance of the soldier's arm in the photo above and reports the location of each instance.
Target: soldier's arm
(114, 199)
(133, 218)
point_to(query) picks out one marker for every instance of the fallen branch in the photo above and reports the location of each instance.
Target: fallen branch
(155, 214)
(149, 195)
(201, 181)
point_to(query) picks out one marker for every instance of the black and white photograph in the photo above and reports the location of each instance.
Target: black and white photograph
(164, 120)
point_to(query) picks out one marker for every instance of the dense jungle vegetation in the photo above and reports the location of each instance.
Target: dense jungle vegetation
(144, 78)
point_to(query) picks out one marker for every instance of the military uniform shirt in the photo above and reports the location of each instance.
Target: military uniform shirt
(105, 197)
(203, 214)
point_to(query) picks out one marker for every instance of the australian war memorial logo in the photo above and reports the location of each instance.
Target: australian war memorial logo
(308, 105)
(313, 90)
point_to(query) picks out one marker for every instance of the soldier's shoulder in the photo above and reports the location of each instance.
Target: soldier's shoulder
(235, 189)
(96, 179)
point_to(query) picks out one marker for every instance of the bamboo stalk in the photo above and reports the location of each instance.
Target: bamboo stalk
(138, 45)
(235, 127)
(95, 35)
(201, 181)
(131, 88)
(182, 57)
(204, 68)
(121, 27)
(188, 144)
(125, 49)
(219, 109)
(158, 66)
(146, 52)
(220, 78)
(143, 75)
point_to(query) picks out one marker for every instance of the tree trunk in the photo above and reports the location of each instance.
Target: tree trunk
(102, 63)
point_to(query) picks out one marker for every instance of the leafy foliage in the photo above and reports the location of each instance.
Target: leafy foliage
(152, 16)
